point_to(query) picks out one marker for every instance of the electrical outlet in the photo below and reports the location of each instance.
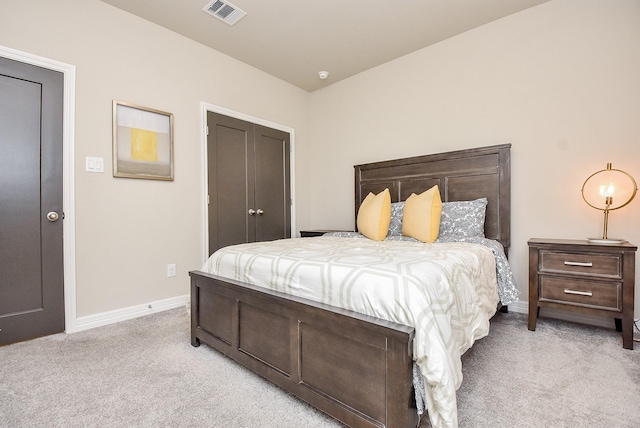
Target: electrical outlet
(171, 270)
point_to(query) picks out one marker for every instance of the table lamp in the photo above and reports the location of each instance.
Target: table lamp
(608, 190)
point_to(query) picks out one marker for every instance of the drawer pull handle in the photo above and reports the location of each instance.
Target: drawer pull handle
(584, 264)
(579, 293)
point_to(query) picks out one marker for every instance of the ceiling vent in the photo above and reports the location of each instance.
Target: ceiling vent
(225, 11)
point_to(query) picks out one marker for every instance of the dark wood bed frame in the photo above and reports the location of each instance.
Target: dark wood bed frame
(355, 368)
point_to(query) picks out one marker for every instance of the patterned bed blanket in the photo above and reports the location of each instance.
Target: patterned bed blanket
(446, 291)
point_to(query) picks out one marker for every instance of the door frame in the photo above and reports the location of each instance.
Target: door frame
(207, 107)
(68, 174)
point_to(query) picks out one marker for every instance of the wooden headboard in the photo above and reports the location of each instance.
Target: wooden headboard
(460, 175)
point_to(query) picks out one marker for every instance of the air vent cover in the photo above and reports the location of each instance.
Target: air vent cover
(225, 11)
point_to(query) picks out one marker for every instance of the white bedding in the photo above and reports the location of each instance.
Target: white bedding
(446, 291)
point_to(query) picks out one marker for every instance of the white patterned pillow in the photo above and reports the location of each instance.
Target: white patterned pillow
(463, 218)
(458, 218)
(395, 227)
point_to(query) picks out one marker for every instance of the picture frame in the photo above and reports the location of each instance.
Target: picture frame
(142, 142)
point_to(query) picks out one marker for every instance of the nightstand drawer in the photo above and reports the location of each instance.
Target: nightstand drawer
(606, 265)
(578, 292)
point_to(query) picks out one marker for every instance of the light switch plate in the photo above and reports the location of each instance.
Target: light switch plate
(94, 164)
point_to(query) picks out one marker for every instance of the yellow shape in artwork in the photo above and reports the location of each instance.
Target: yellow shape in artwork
(144, 145)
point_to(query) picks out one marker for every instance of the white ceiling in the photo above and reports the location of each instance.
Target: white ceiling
(295, 39)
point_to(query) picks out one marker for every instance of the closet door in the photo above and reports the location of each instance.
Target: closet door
(230, 145)
(272, 185)
(248, 180)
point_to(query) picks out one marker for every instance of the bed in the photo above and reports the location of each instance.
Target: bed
(356, 367)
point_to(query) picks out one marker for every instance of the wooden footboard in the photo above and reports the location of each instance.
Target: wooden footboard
(355, 368)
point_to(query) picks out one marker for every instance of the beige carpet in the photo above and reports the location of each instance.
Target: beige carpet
(145, 373)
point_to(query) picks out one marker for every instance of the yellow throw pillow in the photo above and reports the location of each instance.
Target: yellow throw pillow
(421, 215)
(374, 215)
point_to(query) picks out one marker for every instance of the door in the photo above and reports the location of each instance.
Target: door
(249, 182)
(31, 258)
(272, 184)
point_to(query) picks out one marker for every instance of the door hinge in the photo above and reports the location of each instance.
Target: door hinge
(207, 129)
(208, 200)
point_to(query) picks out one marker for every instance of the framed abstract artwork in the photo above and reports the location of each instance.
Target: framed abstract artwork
(142, 142)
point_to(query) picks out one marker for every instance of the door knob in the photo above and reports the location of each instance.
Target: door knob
(52, 216)
(252, 211)
(259, 212)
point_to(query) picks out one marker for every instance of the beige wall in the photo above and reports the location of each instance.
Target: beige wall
(127, 231)
(560, 81)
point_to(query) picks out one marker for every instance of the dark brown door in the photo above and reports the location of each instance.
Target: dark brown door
(272, 185)
(249, 182)
(31, 263)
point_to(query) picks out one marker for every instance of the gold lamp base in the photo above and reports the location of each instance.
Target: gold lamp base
(606, 240)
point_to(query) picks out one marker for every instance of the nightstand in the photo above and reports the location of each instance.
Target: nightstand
(317, 232)
(580, 276)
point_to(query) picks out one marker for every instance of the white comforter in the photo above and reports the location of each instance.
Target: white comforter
(446, 291)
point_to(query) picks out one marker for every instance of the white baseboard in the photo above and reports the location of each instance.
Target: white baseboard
(523, 308)
(111, 317)
(519, 307)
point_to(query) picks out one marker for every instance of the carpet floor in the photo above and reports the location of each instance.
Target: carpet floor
(145, 373)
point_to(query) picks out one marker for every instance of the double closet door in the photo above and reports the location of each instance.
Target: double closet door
(248, 181)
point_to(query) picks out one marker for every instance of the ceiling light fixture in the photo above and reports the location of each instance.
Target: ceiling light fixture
(323, 74)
